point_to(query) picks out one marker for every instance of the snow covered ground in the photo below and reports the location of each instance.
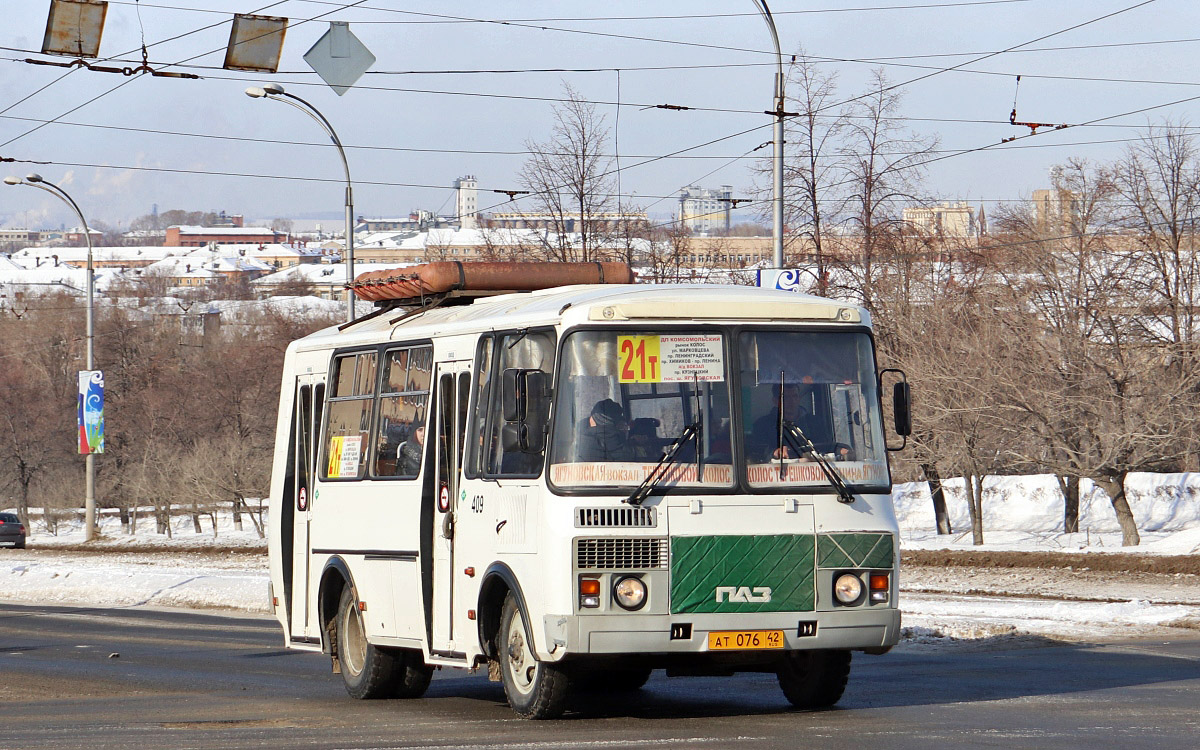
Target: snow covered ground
(228, 570)
(1026, 513)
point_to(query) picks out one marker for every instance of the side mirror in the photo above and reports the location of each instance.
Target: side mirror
(525, 397)
(902, 408)
(510, 395)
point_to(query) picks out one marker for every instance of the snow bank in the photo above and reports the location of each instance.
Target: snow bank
(121, 580)
(962, 617)
(69, 531)
(1161, 503)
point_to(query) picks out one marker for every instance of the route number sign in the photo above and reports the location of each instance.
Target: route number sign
(682, 358)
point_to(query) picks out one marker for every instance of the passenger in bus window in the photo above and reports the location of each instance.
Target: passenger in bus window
(644, 442)
(604, 435)
(762, 442)
(408, 455)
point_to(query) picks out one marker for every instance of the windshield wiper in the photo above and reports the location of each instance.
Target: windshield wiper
(800, 443)
(656, 475)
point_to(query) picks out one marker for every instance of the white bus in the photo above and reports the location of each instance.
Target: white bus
(578, 485)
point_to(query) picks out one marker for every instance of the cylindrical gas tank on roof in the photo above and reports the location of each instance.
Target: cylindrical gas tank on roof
(447, 276)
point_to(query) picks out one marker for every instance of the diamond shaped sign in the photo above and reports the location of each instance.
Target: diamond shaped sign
(339, 57)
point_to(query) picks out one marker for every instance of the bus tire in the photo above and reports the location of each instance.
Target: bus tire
(814, 679)
(411, 676)
(535, 689)
(368, 672)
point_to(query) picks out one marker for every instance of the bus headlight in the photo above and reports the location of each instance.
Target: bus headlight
(848, 588)
(630, 593)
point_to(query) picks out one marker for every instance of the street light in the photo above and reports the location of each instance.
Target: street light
(276, 92)
(777, 161)
(37, 181)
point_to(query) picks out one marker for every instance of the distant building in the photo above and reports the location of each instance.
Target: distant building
(75, 237)
(224, 220)
(102, 257)
(600, 221)
(416, 221)
(144, 237)
(703, 210)
(466, 191)
(1055, 209)
(13, 239)
(189, 236)
(945, 219)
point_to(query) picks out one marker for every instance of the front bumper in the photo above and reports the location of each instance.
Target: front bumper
(617, 634)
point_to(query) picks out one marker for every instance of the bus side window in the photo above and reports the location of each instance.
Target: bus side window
(523, 350)
(399, 443)
(483, 381)
(350, 402)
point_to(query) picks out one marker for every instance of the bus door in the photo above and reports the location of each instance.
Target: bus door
(453, 393)
(310, 399)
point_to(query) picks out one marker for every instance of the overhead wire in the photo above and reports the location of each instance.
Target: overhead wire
(163, 41)
(675, 17)
(497, 152)
(981, 58)
(942, 70)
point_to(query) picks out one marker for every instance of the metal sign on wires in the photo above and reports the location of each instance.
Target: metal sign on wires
(74, 27)
(255, 43)
(339, 57)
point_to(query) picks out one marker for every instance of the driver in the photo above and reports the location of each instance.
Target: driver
(762, 441)
(604, 435)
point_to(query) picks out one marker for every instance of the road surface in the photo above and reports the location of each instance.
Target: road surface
(134, 678)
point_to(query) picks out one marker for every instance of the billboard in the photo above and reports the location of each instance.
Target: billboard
(90, 411)
(787, 279)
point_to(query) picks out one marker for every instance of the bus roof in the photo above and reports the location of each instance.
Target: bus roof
(572, 305)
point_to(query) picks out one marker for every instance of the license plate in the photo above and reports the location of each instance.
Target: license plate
(744, 640)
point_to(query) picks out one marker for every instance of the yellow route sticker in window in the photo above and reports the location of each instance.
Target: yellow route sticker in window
(639, 358)
(676, 358)
(345, 452)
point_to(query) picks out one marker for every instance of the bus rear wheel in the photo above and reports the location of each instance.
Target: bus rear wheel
(369, 671)
(535, 689)
(814, 679)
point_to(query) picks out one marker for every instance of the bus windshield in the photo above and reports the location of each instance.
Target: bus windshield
(625, 397)
(818, 386)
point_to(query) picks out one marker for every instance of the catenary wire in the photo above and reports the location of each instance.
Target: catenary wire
(920, 6)
(179, 36)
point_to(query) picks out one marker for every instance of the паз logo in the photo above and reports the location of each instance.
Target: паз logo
(760, 594)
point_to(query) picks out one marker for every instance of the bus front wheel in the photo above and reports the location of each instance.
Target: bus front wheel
(814, 679)
(372, 672)
(535, 689)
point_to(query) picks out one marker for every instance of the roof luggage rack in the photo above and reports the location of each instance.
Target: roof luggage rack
(447, 283)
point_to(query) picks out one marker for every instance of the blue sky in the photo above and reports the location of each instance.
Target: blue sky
(445, 115)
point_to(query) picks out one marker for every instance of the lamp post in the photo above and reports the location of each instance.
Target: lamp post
(37, 181)
(777, 160)
(276, 92)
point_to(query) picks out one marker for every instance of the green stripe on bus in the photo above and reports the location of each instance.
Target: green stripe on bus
(743, 573)
(854, 551)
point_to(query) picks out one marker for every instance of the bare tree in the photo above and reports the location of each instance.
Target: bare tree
(672, 257)
(570, 183)
(1102, 399)
(294, 284)
(813, 174)
(1159, 182)
(883, 164)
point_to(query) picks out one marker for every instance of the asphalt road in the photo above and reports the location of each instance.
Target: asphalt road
(104, 678)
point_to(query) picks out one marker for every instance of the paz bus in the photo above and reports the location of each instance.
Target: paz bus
(562, 479)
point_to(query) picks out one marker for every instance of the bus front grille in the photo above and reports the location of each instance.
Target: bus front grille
(641, 553)
(615, 517)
